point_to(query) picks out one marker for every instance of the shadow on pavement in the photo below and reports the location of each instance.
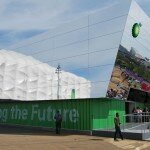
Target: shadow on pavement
(19, 130)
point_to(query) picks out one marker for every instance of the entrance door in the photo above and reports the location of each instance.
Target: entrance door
(129, 105)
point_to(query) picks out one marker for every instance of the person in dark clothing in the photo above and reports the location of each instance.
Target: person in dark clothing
(117, 127)
(145, 114)
(134, 113)
(58, 120)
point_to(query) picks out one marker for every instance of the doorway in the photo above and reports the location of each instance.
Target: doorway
(129, 105)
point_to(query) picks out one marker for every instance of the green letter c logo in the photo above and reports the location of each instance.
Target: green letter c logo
(136, 29)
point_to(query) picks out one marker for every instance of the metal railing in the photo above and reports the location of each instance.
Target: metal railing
(137, 122)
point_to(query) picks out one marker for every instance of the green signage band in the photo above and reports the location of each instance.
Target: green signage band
(79, 114)
(136, 29)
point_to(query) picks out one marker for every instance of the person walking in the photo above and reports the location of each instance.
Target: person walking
(117, 127)
(58, 120)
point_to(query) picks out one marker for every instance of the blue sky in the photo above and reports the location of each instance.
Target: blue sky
(23, 19)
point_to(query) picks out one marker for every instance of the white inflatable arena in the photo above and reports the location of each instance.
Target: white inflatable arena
(24, 78)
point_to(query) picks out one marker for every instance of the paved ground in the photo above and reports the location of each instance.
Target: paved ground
(21, 139)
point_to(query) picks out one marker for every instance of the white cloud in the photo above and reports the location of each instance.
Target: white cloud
(30, 14)
(42, 14)
(27, 15)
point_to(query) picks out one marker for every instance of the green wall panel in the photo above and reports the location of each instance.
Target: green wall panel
(104, 111)
(76, 113)
(81, 114)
